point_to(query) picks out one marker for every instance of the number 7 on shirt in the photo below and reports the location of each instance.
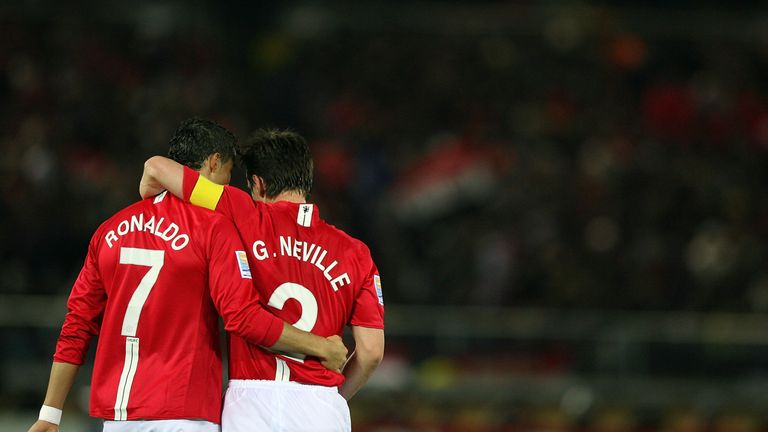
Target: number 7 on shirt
(154, 259)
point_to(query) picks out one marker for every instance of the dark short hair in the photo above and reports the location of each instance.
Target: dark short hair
(281, 158)
(196, 139)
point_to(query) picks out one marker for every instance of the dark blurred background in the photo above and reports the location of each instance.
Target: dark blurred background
(565, 199)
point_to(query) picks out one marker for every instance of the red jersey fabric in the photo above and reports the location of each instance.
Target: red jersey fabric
(308, 273)
(157, 275)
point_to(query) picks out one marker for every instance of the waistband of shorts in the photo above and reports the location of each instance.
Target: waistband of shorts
(238, 383)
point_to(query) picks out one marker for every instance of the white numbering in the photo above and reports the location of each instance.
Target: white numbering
(153, 259)
(308, 318)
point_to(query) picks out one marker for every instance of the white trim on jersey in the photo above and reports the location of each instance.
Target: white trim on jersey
(126, 378)
(282, 371)
(304, 218)
(160, 197)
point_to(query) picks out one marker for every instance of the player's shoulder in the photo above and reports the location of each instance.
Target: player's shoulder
(207, 224)
(237, 192)
(130, 209)
(344, 239)
(236, 197)
(121, 215)
(203, 218)
(219, 221)
(168, 205)
(112, 222)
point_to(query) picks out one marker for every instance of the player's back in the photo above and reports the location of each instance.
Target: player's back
(158, 355)
(311, 274)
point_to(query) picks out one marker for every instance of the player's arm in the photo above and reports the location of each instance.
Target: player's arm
(369, 350)
(59, 384)
(243, 315)
(86, 306)
(161, 173)
(367, 323)
(238, 303)
(331, 351)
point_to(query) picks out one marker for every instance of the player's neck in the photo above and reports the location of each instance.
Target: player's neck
(293, 197)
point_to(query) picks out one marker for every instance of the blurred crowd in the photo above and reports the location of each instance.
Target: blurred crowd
(579, 165)
(576, 167)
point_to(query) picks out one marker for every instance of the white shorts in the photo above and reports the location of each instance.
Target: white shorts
(160, 426)
(255, 405)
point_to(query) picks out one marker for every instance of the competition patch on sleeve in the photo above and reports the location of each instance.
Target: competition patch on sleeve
(242, 261)
(377, 284)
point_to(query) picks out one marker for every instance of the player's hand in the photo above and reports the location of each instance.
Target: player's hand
(43, 426)
(336, 354)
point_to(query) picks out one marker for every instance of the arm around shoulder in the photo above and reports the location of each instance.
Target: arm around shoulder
(161, 173)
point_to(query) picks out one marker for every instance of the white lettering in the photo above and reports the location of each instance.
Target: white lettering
(111, 237)
(307, 252)
(340, 282)
(137, 222)
(122, 229)
(319, 262)
(296, 247)
(285, 246)
(182, 245)
(159, 227)
(302, 251)
(165, 236)
(150, 225)
(328, 269)
(314, 257)
(260, 250)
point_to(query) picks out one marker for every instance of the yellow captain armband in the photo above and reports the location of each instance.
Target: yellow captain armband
(206, 193)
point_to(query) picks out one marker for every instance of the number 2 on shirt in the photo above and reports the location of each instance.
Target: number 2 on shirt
(154, 259)
(306, 299)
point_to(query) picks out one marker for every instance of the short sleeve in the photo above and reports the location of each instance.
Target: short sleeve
(368, 310)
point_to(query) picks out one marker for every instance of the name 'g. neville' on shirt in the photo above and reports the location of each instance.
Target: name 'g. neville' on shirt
(139, 223)
(303, 251)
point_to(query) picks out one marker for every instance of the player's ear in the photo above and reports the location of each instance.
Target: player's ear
(259, 188)
(214, 162)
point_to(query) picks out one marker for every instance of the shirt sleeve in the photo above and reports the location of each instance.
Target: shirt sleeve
(232, 291)
(368, 310)
(200, 191)
(85, 311)
(228, 201)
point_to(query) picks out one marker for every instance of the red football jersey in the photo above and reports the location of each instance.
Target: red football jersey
(308, 273)
(154, 278)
